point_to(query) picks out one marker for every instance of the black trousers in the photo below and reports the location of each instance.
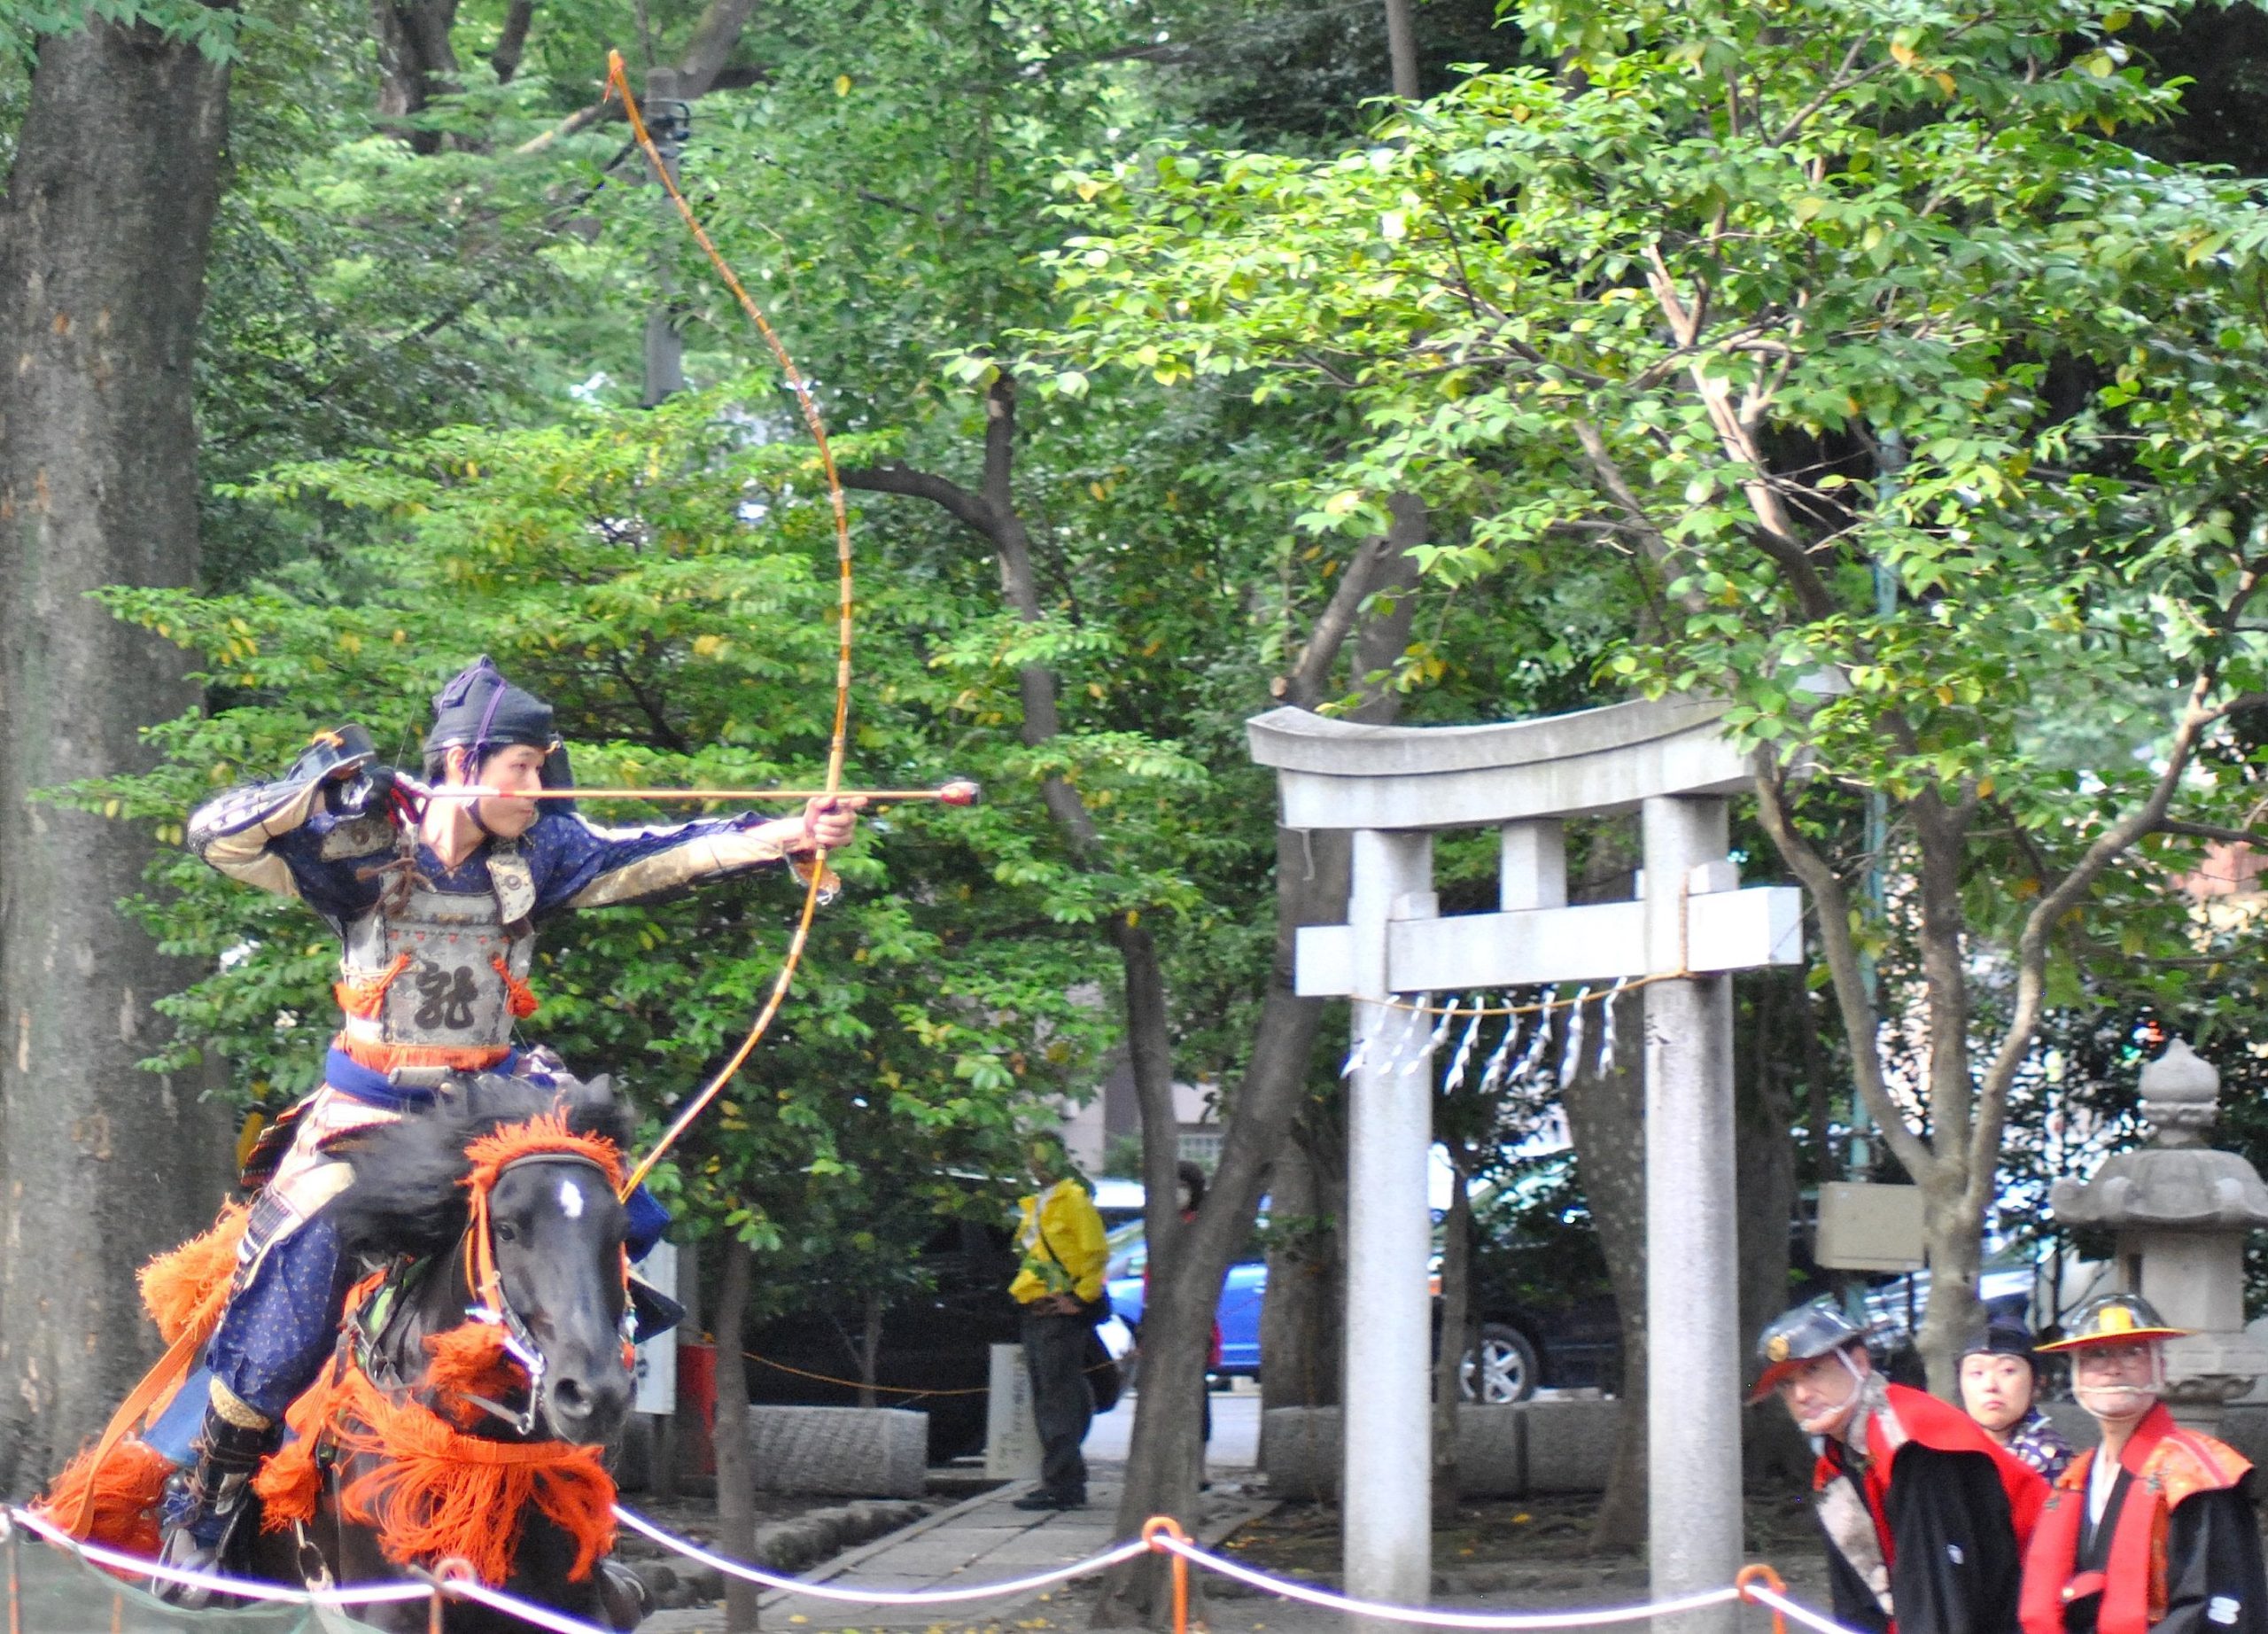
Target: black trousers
(1055, 1353)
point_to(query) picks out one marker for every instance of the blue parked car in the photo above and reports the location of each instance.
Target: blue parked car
(1238, 1312)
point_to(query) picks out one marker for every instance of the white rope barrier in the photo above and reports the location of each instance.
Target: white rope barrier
(1436, 1616)
(111, 1559)
(1108, 1559)
(559, 1622)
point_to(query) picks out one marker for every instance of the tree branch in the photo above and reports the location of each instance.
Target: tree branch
(512, 41)
(893, 477)
(1777, 533)
(697, 71)
(1303, 687)
(2048, 912)
(1843, 966)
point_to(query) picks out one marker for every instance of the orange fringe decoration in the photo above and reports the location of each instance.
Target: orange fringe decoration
(185, 1288)
(467, 1361)
(435, 1492)
(538, 1135)
(386, 1057)
(362, 995)
(128, 1487)
(525, 1003)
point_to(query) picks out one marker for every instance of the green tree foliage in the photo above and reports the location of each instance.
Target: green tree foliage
(666, 578)
(1904, 405)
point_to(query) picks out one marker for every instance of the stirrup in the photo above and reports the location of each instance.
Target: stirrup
(622, 1596)
(182, 1551)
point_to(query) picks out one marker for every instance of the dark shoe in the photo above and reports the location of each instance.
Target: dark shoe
(1048, 1500)
(204, 1503)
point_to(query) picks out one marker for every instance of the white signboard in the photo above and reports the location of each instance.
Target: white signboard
(1863, 1226)
(656, 1363)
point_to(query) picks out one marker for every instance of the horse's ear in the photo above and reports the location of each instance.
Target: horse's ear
(593, 1108)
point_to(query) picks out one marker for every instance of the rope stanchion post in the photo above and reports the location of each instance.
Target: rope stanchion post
(1760, 1572)
(1166, 1526)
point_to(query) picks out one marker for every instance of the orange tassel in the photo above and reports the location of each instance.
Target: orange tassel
(525, 1003)
(129, 1488)
(362, 995)
(467, 1361)
(185, 1288)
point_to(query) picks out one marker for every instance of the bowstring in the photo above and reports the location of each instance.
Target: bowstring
(617, 84)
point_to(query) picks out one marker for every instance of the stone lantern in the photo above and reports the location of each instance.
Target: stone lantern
(2182, 1212)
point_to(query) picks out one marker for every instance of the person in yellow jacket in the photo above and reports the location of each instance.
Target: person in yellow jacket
(1059, 1284)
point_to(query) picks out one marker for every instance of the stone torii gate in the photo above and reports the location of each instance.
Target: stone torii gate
(1395, 788)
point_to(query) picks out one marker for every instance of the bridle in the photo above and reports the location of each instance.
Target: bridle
(486, 1280)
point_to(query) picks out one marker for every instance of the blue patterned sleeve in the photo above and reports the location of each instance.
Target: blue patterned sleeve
(578, 865)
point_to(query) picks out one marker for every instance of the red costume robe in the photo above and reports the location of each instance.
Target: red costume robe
(2177, 1551)
(1929, 1525)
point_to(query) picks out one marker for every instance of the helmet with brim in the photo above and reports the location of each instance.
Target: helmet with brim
(1800, 1335)
(2113, 1318)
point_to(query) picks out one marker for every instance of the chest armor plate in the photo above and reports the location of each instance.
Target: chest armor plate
(443, 950)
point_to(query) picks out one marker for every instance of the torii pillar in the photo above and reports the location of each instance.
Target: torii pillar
(1395, 788)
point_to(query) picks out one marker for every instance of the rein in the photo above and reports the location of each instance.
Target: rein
(487, 1281)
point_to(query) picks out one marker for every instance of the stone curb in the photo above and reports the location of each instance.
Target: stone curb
(675, 1582)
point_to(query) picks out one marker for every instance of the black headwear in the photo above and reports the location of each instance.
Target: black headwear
(2002, 1337)
(482, 712)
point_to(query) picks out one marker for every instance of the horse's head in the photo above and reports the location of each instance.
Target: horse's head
(514, 1188)
(554, 1229)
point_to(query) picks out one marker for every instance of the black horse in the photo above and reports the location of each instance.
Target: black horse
(555, 1231)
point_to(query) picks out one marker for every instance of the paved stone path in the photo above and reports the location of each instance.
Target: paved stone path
(987, 1539)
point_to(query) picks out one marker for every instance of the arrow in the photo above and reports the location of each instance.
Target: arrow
(961, 792)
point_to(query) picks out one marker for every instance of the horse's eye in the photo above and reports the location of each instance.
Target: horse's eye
(507, 1232)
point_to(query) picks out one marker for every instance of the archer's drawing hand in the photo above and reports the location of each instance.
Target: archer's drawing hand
(829, 822)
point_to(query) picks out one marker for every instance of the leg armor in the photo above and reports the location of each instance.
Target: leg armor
(205, 1503)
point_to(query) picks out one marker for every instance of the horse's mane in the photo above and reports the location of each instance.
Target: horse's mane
(408, 1193)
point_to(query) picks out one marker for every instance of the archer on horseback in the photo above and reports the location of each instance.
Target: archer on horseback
(437, 901)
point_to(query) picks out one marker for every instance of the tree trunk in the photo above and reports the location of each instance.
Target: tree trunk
(735, 1470)
(1401, 49)
(1764, 1158)
(1300, 1322)
(102, 244)
(512, 39)
(1819, 1109)
(1456, 1305)
(1606, 1121)
(416, 63)
(1162, 1461)
(870, 1349)
(1302, 1317)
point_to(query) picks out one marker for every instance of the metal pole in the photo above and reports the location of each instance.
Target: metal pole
(1692, 1271)
(1387, 1468)
(671, 120)
(1891, 460)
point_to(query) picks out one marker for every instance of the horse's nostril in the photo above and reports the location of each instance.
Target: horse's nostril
(571, 1395)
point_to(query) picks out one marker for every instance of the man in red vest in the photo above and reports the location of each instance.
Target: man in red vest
(2153, 1532)
(1926, 1516)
